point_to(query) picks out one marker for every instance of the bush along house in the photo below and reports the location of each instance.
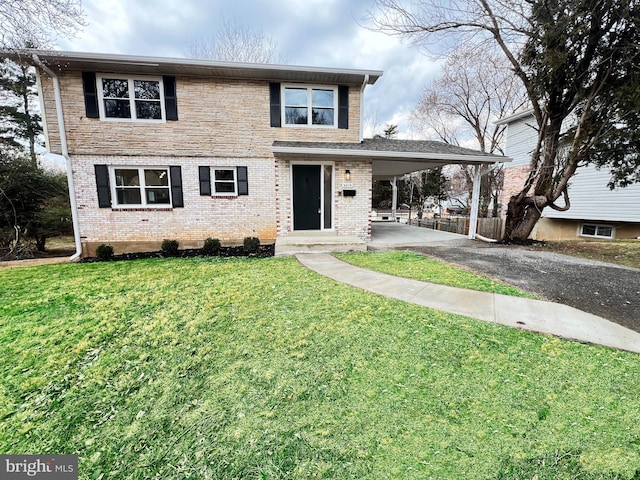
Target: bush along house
(165, 148)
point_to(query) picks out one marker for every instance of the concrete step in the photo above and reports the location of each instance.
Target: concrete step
(318, 242)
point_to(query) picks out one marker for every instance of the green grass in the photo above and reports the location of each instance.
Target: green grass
(418, 267)
(260, 369)
(620, 252)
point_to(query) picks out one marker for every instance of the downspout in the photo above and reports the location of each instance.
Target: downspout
(364, 84)
(65, 154)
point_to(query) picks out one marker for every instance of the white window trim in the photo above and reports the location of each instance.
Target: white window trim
(132, 99)
(309, 89)
(214, 192)
(597, 226)
(142, 186)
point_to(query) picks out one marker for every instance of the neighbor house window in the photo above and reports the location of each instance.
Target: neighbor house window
(141, 186)
(597, 231)
(310, 106)
(224, 181)
(139, 98)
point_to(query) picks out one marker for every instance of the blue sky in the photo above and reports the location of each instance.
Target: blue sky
(328, 33)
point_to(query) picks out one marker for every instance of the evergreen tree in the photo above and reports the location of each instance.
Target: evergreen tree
(18, 118)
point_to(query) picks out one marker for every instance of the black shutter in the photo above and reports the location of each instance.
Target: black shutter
(170, 98)
(274, 101)
(205, 180)
(243, 181)
(343, 106)
(104, 189)
(176, 187)
(90, 95)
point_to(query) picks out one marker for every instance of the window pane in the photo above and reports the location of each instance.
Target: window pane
(225, 187)
(328, 197)
(117, 109)
(148, 110)
(147, 89)
(128, 196)
(224, 175)
(322, 98)
(126, 177)
(295, 116)
(295, 97)
(156, 178)
(157, 195)
(588, 229)
(605, 231)
(112, 87)
(322, 116)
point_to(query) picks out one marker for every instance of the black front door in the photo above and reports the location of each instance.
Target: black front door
(306, 197)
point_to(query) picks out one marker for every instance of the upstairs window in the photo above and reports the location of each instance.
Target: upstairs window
(135, 99)
(310, 106)
(141, 187)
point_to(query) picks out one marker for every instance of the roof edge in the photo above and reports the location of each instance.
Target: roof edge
(390, 154)
(371, 76)
(516, 116)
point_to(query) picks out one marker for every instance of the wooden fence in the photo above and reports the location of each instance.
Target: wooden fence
(487, 227)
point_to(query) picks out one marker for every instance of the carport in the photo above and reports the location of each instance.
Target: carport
(387, 159)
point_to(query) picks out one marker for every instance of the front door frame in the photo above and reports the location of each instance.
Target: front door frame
(322, 193)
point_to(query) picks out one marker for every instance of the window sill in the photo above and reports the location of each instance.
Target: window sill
(141, 209)
(228, 197)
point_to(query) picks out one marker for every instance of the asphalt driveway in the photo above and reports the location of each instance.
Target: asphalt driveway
(603, 289)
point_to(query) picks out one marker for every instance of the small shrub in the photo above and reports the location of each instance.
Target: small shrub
(211, 246)
(169, 248)
(251, 244)
(104, 252)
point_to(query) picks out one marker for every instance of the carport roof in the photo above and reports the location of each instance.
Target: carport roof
(390, 157)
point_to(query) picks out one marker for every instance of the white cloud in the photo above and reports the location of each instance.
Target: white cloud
(327, 33)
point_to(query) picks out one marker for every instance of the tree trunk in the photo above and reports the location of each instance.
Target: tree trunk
(521, 218)
(40, 242)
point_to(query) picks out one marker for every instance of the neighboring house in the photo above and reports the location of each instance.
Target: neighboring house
(595, 211)
(163, 148)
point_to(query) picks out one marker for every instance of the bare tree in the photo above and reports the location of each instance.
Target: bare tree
(236, 43)
(37, 22)
(577, 61)
(475, 89)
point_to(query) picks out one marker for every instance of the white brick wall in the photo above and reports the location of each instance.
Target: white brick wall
(229, 219)
(221, 123)
(352, 215)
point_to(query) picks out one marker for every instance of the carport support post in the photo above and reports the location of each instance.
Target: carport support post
(475, 203)
(394, 199)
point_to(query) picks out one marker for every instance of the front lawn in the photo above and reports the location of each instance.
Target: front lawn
(418, 267)
(259, 369)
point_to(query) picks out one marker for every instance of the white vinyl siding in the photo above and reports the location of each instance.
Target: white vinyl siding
(591, 199)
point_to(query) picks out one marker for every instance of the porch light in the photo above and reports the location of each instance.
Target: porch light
(347, 175)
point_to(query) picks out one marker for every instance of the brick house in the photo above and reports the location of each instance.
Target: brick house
(163, 148)
(596, 211)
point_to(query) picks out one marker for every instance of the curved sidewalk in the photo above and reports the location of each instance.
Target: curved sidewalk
(524, 313)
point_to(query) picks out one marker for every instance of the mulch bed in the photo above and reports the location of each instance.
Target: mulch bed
(263, 251)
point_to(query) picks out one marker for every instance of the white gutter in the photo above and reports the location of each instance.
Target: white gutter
(364, 84)
(387, 154)
(65, 154)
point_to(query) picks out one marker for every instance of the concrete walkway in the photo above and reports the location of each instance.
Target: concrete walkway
(527, 314)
